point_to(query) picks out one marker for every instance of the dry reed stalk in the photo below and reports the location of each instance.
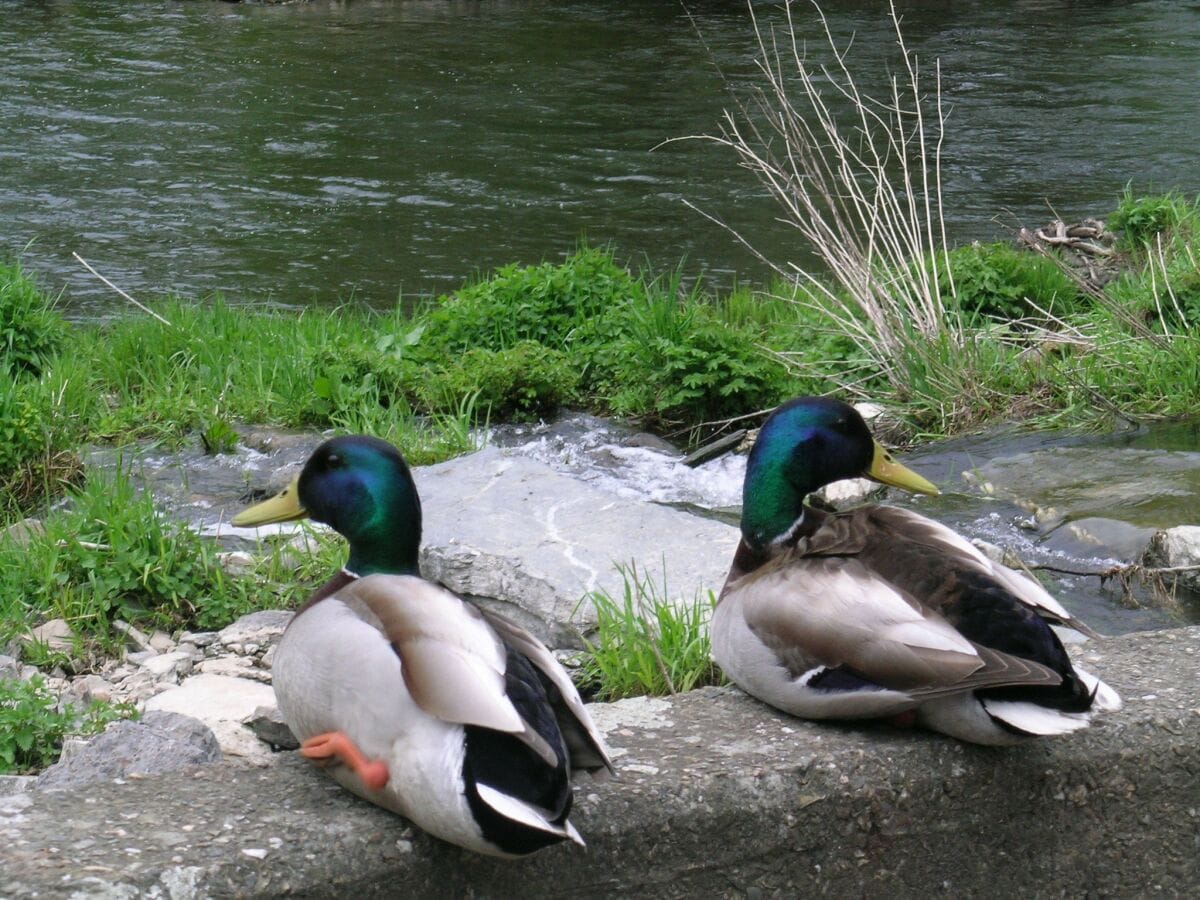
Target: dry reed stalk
(860, 180)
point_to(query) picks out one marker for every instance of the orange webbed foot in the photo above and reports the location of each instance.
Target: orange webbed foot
(336, 746)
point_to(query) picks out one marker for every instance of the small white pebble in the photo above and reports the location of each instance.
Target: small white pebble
(254, 852)
(641, 768)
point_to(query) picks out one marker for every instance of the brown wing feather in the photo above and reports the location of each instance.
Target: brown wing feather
(999, 670)
(945, 554)
(836, 611)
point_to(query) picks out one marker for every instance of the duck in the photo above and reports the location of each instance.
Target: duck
(878, 612)
(410, 696)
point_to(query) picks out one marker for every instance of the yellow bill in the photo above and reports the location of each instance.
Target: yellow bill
(283, 507)
(886, 470)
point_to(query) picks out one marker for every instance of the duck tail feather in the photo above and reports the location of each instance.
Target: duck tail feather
(1104, 698)
(526, 813)
(1030, 718)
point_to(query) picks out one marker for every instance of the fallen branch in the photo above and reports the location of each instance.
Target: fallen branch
(140, 306)
(1114, 571)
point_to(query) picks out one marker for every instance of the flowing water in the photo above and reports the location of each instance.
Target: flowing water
(310, 152)
(1034, 495)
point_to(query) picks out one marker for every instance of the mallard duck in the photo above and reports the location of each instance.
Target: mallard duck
(413, 698)
(878, 612)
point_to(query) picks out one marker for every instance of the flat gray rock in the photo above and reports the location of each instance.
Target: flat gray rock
(532, 542)
(158, 742)
(715, 795)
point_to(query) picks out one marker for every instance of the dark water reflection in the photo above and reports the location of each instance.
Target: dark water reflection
(307, 152)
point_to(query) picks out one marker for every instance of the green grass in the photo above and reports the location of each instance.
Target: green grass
(30, 330)
(1141, 219)
(646, 643)
(109, 554)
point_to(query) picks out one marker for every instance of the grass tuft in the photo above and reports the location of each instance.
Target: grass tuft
(646, 643)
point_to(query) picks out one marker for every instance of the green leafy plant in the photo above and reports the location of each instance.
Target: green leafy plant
(32, 726)
(996, 281)
(544, 303)
(646, 644)
(218, 436)
(24, 409)
(524, 381)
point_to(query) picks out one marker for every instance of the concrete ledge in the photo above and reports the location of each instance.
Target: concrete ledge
(716, 795)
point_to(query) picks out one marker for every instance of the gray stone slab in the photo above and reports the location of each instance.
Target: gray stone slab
(499, 525)
(715, 795)
(158, 742)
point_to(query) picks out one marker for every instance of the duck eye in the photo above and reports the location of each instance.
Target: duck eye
(333, 460)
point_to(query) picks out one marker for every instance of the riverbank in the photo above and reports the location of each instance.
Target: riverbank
(1034, 344)
(1027, 339)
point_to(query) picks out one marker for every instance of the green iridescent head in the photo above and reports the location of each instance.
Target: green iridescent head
(361, 488)
(804, 445)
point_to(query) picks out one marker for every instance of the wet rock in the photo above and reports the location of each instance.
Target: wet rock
(266, 439)
(1141, 487)
(1175, 548)
(649, 441)
(849, 492)
(1100, 538)
(994, 552)
(532, 542)
(713, 449)
(158, 742)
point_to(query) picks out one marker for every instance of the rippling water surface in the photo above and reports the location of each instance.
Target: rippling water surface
(311, 152)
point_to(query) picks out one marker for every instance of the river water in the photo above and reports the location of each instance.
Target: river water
(309, 153)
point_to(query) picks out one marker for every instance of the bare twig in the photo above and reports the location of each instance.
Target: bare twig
(859, 178)
(140, 306)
